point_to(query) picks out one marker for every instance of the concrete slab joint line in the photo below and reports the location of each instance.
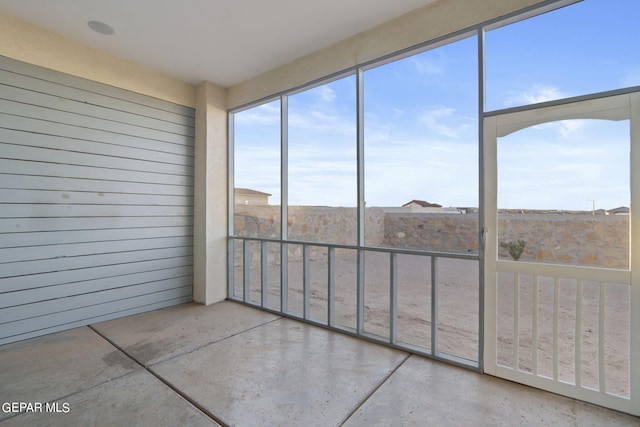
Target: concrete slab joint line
(79, 370)
(168, 384)
(375, 389)
(148, 368)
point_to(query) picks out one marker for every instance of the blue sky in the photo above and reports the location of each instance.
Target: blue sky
(421, 121)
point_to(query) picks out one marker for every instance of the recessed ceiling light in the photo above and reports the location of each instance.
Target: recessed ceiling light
(100, 27)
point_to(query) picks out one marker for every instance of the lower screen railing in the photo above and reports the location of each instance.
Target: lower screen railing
(565, 329)
(424, 302)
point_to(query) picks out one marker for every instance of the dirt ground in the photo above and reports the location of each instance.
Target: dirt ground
(458, 317)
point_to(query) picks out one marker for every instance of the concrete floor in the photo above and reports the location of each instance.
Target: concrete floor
(229, 364)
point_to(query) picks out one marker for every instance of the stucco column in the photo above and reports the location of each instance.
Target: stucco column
(210, 194)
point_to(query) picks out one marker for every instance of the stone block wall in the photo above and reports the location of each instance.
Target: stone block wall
(576, 239)
(456, 233)
(309, 224)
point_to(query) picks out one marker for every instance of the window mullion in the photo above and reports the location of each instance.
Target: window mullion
(284, 201)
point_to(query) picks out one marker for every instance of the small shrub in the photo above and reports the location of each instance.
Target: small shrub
(515, 248)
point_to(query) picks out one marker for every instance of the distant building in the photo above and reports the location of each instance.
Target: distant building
(467, 209)
(421, 204)
(246, 196)
(619, 211)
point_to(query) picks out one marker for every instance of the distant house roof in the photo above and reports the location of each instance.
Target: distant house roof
(248, 191)
(423, 204)
(620, 210)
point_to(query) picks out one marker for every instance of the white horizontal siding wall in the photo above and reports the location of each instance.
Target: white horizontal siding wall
(96, 202)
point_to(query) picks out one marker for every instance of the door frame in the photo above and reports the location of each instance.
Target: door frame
(615, 105)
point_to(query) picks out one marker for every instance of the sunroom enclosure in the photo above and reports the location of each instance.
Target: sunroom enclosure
(318, 231)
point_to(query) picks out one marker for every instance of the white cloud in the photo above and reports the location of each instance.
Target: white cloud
(534, 95)
(538, 93)
(265, 114)
(436, 120)
(376, 134)
(318, 121)
(325, 93)
(426, 67)
(321, 111)
(566, 128)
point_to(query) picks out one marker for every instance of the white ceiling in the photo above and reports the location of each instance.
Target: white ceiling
(221, 41)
